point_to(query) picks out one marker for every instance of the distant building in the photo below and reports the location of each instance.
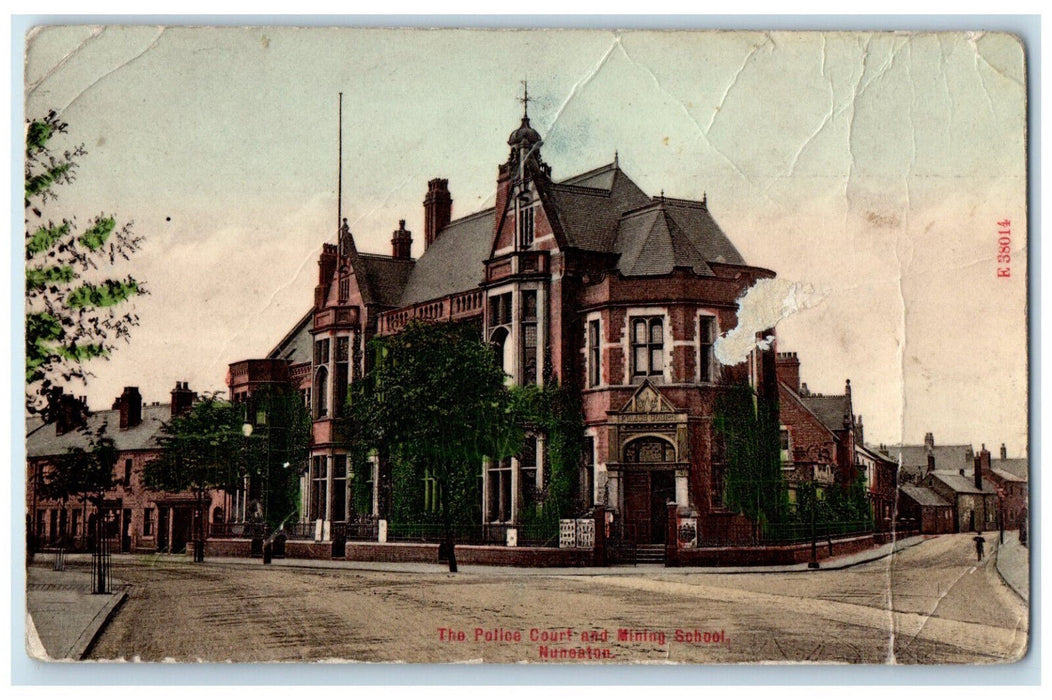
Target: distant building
(923, 508)
(135, 519)
(1009, 477)
(823, 440)
(915, 461)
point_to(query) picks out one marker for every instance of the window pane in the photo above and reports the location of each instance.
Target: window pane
(657, 357)
(640, 366)
(639, 332)
(656, 335)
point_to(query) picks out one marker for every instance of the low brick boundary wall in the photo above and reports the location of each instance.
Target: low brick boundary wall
(470, 554)
(226, 548)
(778, 555)
(308, 549)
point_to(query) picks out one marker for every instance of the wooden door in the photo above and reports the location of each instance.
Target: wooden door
(637, 507)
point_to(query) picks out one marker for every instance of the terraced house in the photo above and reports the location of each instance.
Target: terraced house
(585, 280)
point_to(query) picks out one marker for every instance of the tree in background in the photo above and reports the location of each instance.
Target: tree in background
(74, 312)
(436, 405)
(748, 426)
(82, 474)
(201, 451)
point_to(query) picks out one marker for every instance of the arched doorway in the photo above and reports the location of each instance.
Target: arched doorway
(649, 483)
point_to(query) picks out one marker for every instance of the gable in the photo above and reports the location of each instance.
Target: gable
(647, 399)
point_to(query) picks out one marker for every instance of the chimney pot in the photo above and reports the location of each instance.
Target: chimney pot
(1004, 452)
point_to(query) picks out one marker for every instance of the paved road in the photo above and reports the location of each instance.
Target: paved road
(928, 604)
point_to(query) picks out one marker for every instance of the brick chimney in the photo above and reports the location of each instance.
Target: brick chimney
(182, 399)
(984, 465)
(931, 462)
(130, 405)
(787, 367)
(977, 471)
(401, 242)
(438, 207)
(1004, 452)
(66, 411)
(326, 268)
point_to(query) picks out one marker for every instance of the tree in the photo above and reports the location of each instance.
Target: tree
(436, 404)
(74, 312)
(277, 449)
(82, 474)
(747, 423)
(201, 451)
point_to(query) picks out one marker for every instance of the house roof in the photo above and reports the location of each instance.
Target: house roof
(1020, 467)
(384, 278)
(453, 262)
(962, 484)
(946, 456)
(829, 409)
(923, 495)
(43, 440)
(296, 345)
(650, 242)
(601, 210)
(1008, 476)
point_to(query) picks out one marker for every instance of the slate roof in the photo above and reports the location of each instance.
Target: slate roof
(383, 278)
(963, 484)
(453, 262)
(829, 409)
(42, 439)
(946, 456)
(924, 496)
(1008, 476)
(650, 242)
(601, 210)
(1020, 467)
(296, 345)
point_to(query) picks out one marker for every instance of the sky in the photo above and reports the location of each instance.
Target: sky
(870, 171)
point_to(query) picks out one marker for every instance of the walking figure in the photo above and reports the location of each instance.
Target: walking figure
(980, 542)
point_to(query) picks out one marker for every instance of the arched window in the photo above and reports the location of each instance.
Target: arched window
(499, 340)
(321, 393)
(649, 450)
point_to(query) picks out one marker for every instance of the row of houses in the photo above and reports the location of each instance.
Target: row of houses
(587, 281)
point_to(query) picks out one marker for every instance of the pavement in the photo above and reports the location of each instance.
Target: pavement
(64, 618)
(1013, 565)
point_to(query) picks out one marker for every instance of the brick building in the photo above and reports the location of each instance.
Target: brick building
(1010, 478)
(587, 281)
(136, 520)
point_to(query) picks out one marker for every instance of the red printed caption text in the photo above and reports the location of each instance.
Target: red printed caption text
(1004, 248)
(566, 643)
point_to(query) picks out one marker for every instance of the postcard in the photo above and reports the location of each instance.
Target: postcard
(544, 346)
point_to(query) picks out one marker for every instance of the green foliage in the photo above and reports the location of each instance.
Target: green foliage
(81, 473)
(434, 404)
(554, 411)
(201, 450)
(281, 435)
(748, 426)
(69, 319)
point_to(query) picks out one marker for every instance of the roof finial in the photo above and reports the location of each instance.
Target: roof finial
(662, 195)
(525, 99)
(615, 158)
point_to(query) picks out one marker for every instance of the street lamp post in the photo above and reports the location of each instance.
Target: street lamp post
(813, 564)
